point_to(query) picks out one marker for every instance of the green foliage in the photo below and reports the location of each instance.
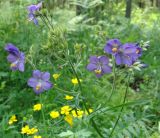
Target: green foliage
(69, 134)
(80, 36)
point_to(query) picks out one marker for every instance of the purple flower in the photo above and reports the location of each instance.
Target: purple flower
(99, 65)
(124, 54)
(139, 50)
(40, 81)
(15, 57)
(32, 9)
(112, 46)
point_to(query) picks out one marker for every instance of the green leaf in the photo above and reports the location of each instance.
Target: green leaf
(66, 134)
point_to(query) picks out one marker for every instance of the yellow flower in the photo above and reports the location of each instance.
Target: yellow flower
(54, 114)
(68, 97)
(37, 136)
(32, 131)
(56, 76)
(65, 110)
(69, 119)
(37, 107)
(25, 129)
(12, 120)
(75, 81)
(28, 131)
(90, 111)
(78, 113)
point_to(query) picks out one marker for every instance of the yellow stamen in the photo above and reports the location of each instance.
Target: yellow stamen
(98, 71)
(13, 65)
(137, 51)
(38, 87)
(114, 49)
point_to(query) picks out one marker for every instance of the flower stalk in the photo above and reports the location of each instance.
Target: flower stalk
(84, 101)
(114, 79)
(124, 100)
(42, 112)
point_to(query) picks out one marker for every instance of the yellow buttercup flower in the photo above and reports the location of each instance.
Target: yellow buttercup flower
(68, 97)
(56, 76)
(90, 111)
(12, 120)
(78, 113)
(32, 131)
(65, 110)
(25, 129)
(37, 136)
(69, 119)
(37, 107)
(75, 81)
(54, 114)
(28, 131)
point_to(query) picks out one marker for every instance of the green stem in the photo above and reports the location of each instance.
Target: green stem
(50, 23)
(114, 79)
(84, 102)
(44, 21)
(42, 112)
(124, 100)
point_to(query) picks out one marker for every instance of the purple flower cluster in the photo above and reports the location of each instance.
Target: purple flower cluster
(39, 80)
(15, 57)
(32, 9)
(125, 54)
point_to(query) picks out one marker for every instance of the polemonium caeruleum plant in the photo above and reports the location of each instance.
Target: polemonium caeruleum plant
(123, 54)
(32, 11)
(15, 57)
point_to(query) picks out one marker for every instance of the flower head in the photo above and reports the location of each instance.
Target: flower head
(138, 50)
(28, 131)
(25, 129)
(32, 9)
(56, 76)
(37, 107)
(12, 120)
(90, 111)
(112, 46)
(15, 57)
(75, 81)
(65, 110)
(40, 81)
(68, 97)
(36, 136)
(125, 54)
(69, 119)
(32, 131)
(99, 65)
(78, 113)
(54, 114)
